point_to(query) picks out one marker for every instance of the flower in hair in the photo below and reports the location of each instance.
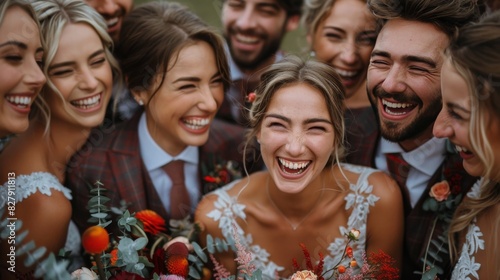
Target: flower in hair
(251, 97)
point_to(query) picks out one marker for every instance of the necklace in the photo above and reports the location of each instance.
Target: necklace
(294, 226)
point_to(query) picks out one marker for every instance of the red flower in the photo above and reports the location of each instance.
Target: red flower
(224, 176)
(159, 261)
(153, 223)
(210, 179)
(348, 252)
(382, 266)
(177, 262)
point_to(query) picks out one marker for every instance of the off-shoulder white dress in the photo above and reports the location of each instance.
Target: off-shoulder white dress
(46, 183)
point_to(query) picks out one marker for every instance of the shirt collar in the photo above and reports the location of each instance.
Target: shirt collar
(426, 158)
(154, 156)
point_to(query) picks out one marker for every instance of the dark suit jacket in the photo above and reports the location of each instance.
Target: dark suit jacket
(112, 156)
(418, 222)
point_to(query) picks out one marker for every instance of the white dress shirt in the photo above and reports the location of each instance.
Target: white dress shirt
(154, 157)
(424, 161)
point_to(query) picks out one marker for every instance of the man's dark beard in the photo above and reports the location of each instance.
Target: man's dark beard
(425, 119)
(267, 52)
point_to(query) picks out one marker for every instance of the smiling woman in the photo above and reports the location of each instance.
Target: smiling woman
(80, 70)
(305, 195)
(20, 60)
(176, 69)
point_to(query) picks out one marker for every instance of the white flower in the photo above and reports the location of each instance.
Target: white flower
(354, 234)
(83, 274)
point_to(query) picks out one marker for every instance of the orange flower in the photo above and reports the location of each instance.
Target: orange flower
(177, 262)
(348, 251)
(114, 256)
(353, 263)
(304, 275)
(440, 191)
(341, 269)
(207, 274)
(153, 223)
(95, 239)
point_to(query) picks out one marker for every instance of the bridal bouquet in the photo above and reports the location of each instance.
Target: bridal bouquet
(375, 265)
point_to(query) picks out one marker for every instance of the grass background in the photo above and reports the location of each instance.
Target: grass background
(210, 12)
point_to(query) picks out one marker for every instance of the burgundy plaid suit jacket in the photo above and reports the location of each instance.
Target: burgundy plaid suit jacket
(112, 156)
(418, 223)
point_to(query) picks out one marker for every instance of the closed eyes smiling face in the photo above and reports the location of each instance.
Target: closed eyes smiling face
(82, 74)
(296, 137)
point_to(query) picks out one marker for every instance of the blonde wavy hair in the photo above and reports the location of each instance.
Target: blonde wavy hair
(54, 15)
(474, 54)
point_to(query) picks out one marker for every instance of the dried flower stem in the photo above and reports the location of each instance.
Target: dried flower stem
(429, 244)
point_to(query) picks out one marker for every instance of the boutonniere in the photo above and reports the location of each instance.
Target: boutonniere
(219, 174)
(442, 198)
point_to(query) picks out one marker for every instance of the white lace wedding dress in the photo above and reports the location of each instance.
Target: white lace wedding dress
(467, 265)
(45, 183)
(359, 199)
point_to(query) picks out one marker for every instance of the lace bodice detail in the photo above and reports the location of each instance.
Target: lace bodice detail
(467, 265)
(27, 185)
(45, 183)
(359, 199)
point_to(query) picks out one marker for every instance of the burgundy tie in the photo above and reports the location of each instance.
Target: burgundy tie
(180, 205)
(399, 170)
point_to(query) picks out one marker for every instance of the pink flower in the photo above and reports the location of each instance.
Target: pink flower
(304, 275)
(251, 97)
(171, 277)
(440, 191)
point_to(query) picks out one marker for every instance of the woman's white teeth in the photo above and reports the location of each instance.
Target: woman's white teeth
(112, 22)
(196, 123)
(346, 74)
(461, 149)
(246, 39)
(19, 100)
(87, 102)
(395, 105)
(293, 165)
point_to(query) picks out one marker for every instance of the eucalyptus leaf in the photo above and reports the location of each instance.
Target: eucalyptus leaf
(193, 273)
(26, 248)
(199, 251)
(20, 237)
(34, 256)
(210, 244)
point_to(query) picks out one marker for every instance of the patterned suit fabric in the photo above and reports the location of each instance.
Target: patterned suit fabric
(418, 222)
(361, 135)
(112, 156)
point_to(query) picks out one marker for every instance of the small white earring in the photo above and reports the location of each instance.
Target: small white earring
(140, 102)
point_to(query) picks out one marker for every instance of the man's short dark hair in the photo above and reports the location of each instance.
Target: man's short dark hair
(292, 7)
(447, 15)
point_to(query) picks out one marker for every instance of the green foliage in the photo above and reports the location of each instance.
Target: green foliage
(97, 207)
(48, 268)
(198, 258)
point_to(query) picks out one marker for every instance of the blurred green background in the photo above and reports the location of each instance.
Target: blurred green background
(210, 11)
